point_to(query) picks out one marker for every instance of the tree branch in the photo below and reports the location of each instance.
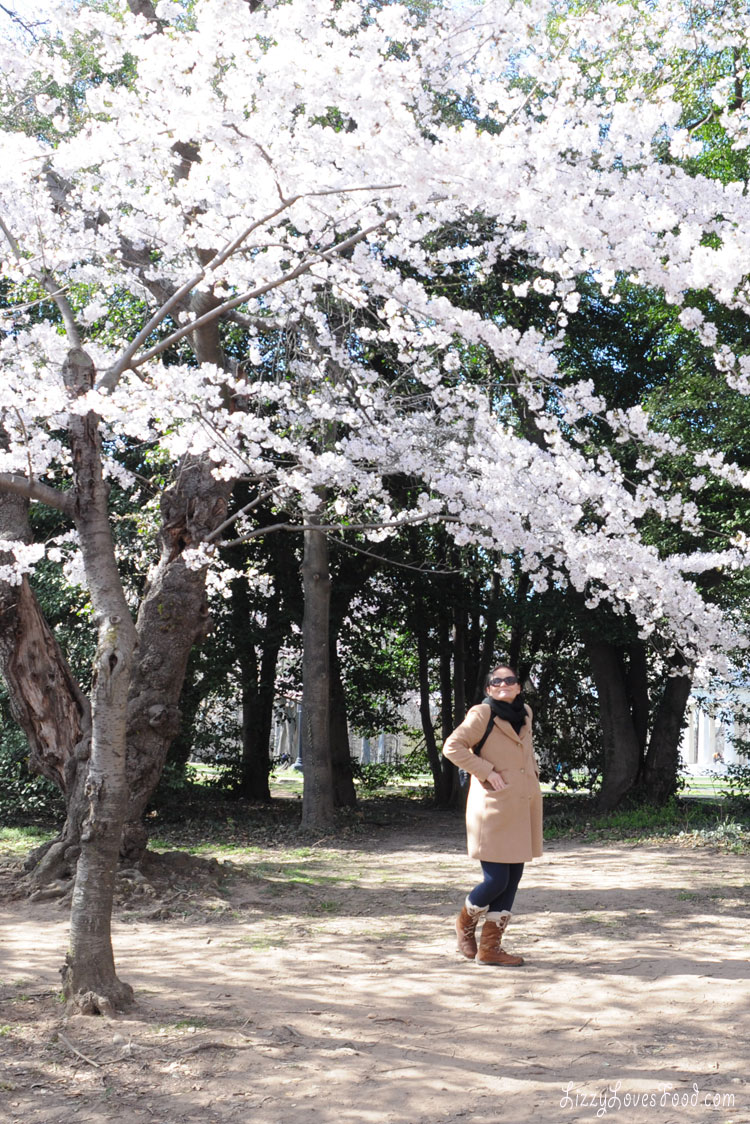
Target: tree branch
(56, 293)
(340, 527)
(15, 485)
(113, 374)
(238, 514)
(390, 561)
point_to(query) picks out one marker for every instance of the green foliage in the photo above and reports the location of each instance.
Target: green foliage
(386, 774)
(23, 794)
(691, 823)
(737, 777)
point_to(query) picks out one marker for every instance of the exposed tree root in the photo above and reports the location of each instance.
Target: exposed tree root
(94, 996)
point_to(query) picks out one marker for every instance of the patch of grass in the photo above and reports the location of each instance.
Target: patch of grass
(262, 944)
(690, 823)
(328, 907)
(599, 919)
(20, 840)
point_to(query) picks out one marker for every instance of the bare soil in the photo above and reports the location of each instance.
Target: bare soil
(321, 985)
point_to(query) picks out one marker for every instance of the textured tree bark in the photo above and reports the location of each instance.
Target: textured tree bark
(173, 616)
(659, 779)
(45, 700)
(487, 649)
(317, 799)
(44, 697)
(446, 680)
(636, 680)
(89, 978)
(459, 662)
(428, 728)
(622, 753)
(344, 792)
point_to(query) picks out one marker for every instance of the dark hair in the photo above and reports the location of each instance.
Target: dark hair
(496, 667)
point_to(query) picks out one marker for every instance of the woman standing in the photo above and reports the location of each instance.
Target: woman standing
(503, 811)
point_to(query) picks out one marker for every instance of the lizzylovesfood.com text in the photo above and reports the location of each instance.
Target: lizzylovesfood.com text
(614, 1098)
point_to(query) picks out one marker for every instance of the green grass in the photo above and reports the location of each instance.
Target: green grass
(21, 840)
(689, 822)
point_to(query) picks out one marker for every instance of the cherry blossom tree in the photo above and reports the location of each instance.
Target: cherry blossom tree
(222, 223)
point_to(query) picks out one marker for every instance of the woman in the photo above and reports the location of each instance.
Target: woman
(503, 811)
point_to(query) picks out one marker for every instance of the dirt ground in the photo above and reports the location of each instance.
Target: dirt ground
(322, 986)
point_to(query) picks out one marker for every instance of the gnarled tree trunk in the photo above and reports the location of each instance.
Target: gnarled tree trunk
(45, 700)
(173, 616)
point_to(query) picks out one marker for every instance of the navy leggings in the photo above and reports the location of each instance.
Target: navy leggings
(499, 886)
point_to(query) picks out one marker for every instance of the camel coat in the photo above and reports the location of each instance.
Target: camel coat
(505, 826)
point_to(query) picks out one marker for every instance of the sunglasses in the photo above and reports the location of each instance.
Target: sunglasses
(508, 680)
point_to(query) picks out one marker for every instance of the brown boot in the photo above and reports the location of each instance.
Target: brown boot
(466, 928)
(490, 950)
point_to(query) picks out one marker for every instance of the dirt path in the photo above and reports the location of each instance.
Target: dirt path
(323, 989)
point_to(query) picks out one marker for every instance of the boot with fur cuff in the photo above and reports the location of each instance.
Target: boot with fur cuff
(490, 946)
(466, 928)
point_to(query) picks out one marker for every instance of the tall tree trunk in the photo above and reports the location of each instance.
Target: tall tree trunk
(317, 798)
(173, 616)
(257, 724)
(191, 699)
(257, 708)
(446, 677)
(258, 683)
(518, 629)
(622, 753)
(659, 779)
(488, 640)
(344, 792)
(459, 662)
(638, 693)
(441, 778)
(89, 978)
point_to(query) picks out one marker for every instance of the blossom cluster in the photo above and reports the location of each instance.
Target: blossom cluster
(307, 180)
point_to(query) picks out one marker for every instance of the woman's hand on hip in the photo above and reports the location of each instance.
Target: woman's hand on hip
(496, 782)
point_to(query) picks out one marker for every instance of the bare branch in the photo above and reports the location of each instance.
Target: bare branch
(16, 18)
(259, 532)
(251, 294)
(15, 485)
(389, 561)
(45, 278)
(238, 514)
(111, 377)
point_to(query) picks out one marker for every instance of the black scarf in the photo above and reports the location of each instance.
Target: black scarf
(513, 712)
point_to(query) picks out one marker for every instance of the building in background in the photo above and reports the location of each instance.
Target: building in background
(716, 731)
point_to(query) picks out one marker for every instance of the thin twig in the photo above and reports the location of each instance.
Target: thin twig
(217, 1046)
(340, 527)
(238, 514)
(66, 1042)
(390, 561)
